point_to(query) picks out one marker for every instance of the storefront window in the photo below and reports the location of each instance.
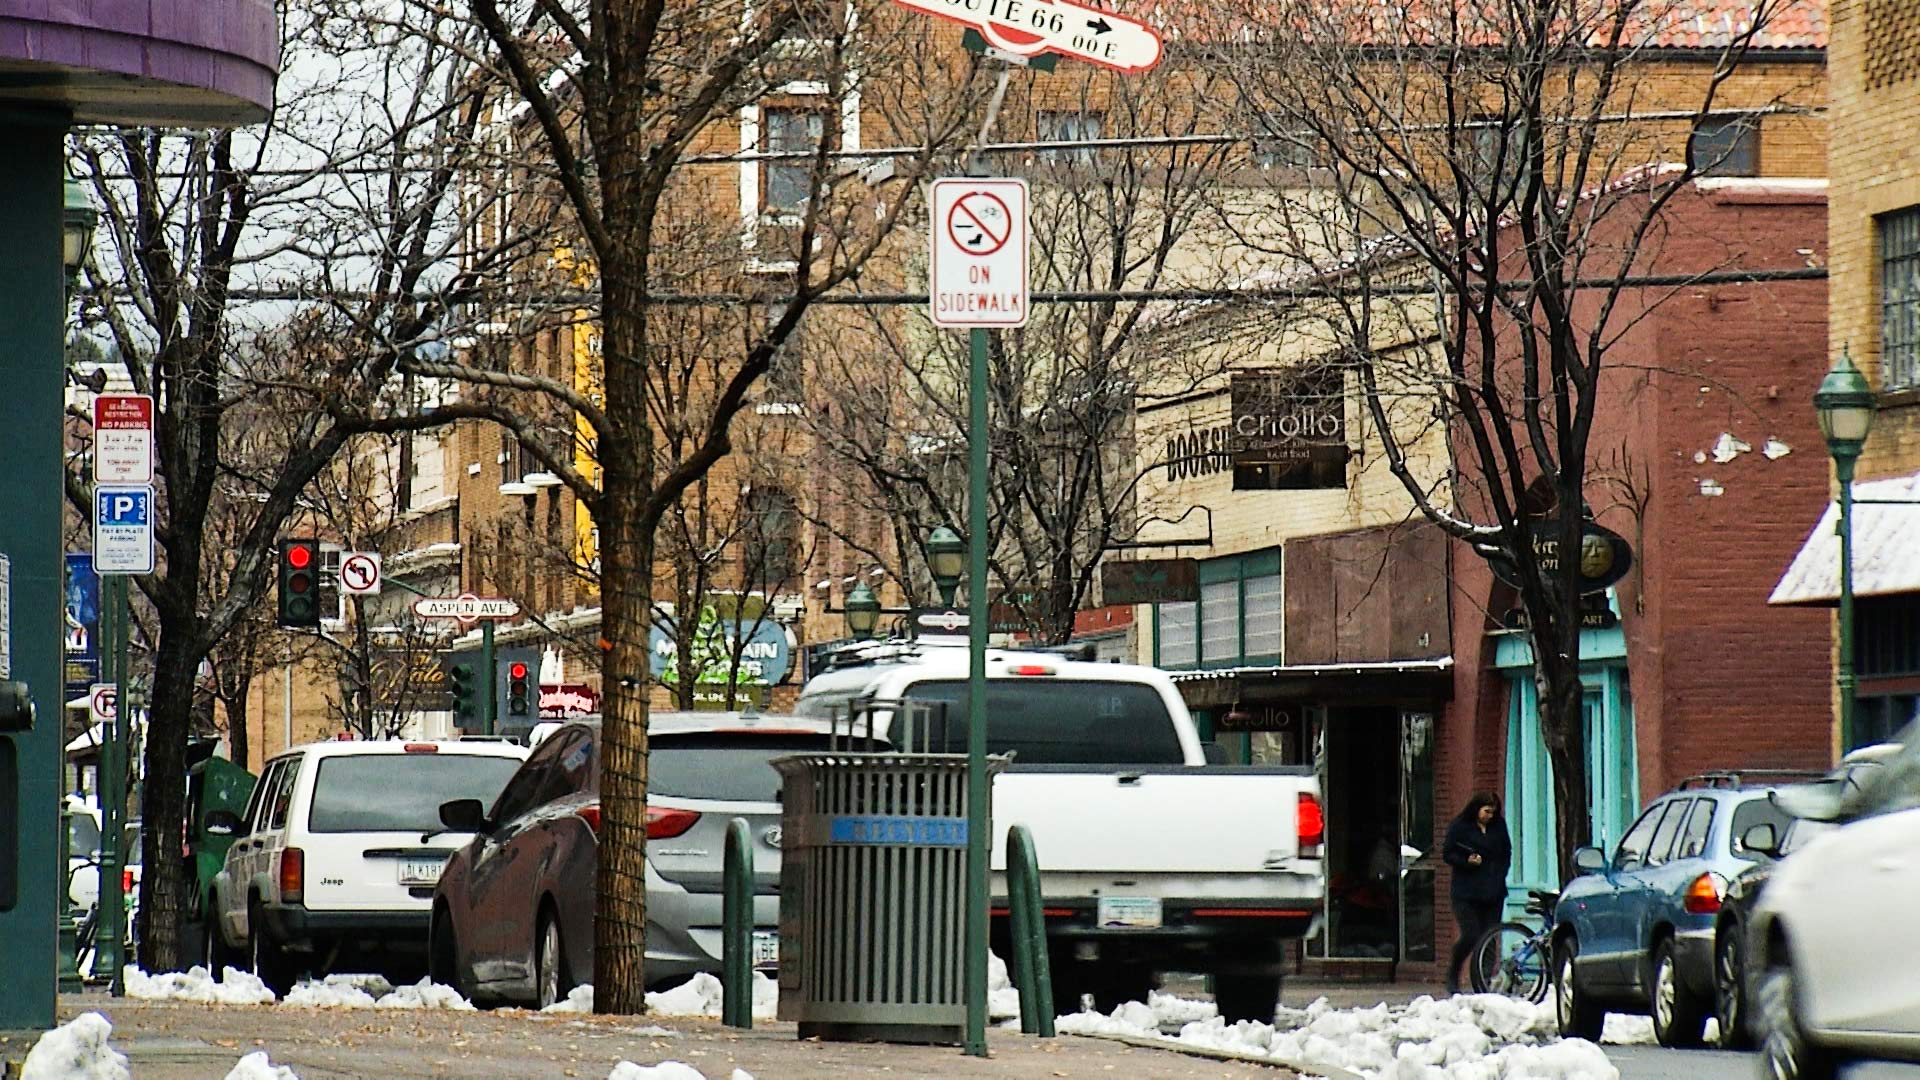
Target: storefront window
(1220, 622)
(1263, 616)
(1179, 643)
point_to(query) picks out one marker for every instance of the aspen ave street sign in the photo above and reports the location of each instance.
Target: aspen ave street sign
(466, 607)
(1033, 27)
(978, 272)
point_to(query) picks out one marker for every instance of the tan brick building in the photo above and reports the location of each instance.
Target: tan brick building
(1873, 229)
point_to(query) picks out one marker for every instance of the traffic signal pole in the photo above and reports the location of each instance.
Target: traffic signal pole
(489, 718)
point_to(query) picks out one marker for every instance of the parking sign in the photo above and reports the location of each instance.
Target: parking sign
(123, 528)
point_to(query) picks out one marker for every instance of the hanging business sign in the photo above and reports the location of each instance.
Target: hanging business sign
(1149, 581)
(1289, 428)
(1605, 556)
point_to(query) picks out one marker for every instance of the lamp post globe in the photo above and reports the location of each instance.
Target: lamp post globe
(947, 559)
(863, 612)
(1845, 406)
(77, 222)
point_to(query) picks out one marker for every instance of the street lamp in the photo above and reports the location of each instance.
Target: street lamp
(77, 222)
(1845, 406)
(947, 558)
(863, 611)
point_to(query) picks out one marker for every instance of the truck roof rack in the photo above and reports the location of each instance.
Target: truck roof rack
(1739, 778)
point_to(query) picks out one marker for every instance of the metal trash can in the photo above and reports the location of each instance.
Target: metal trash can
(873, 891)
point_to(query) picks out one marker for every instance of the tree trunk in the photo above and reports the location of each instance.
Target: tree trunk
(686, 599)
(1563, 728)
(164, 881)
(236, 704)
(620, 919)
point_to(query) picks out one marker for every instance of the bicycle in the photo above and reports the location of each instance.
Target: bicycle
(1515, 959)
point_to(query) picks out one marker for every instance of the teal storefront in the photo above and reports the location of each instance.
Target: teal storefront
(1613, 773)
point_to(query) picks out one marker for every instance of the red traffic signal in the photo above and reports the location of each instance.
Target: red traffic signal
(517, 670)
(299, 556)
(299, 606)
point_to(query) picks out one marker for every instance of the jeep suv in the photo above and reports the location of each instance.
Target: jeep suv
(339, 850)
(1634, 933)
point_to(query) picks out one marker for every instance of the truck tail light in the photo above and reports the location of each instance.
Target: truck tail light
(1703, 895)
(590, 814)
(1312, 821)
(1030, 669)
(293, 875)
(664, 823)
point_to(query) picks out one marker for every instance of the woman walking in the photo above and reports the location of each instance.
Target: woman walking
(1479, 850)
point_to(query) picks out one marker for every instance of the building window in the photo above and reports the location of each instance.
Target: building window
(1726, 146)
(1220, 622)
(1900, 299)
(772, 538)
(1499, 156)
(1279, 146)
(1068, 127)
(333, 599)
(789, 181)
(1179, 645)
(1262, 603)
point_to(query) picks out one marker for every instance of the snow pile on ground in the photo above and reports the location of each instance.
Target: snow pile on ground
(666, 1070)
(1477, 1037)
(579, 1000)
(255, 1066)
(374, 992)
(1003, 1000)
(1623, 1029)
(699, 996)
(196, 984)
(76, 1050)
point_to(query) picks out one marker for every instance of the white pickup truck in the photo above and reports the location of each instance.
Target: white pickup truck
(1151, 859)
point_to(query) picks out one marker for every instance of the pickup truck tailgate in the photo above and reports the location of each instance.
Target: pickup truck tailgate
(1156, 820)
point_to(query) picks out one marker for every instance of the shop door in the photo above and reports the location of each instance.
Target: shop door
(1362, 785)
(1613, 790)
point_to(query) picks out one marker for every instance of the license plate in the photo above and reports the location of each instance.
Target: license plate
(766, 949)
(421, 871)
(1129, 913)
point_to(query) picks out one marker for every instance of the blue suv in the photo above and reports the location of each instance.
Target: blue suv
(1634, 933)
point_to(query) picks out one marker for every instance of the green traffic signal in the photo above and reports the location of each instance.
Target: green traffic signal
(465, 689)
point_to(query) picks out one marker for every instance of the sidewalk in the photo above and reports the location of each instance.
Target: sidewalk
(180, 1041)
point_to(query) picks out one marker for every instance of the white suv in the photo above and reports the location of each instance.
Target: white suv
(339, 849)
(1838, 977)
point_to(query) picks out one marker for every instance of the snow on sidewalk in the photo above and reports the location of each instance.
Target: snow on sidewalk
(1470, 1037)
(698, 996)
(76, 1050)
(666, 1070)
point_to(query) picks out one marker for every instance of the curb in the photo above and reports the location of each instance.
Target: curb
(1303, 1068)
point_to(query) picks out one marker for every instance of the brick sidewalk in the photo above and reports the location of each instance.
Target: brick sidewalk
(179, 1041)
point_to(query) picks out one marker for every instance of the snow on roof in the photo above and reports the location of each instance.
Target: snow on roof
(1886, 547)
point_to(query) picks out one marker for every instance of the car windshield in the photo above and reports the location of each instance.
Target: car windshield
(731, 766)
(1055, 722)
(1802, 832)
(400, 792)
(83, 837)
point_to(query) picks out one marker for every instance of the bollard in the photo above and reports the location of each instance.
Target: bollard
(736, 934)
(69, 977)
(1032, 969)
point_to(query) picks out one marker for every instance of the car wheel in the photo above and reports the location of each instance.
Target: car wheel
(1679, 1016)
(443, 955)
(1115, 985)
(1729, 990)
(270, 961)
(550, 964)
(1246, 997)
(1578, 1018)
(1785, 1051)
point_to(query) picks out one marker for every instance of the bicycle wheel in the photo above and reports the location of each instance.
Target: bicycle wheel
(1509, 960)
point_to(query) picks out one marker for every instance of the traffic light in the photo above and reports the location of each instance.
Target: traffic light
(300, 584)
(464, 688)
(519, 701)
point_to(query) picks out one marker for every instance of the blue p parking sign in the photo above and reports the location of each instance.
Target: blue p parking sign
(123, 529)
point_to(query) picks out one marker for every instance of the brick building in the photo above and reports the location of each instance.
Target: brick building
(1874, 241)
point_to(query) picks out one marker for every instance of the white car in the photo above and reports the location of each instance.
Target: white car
(1837, 963)
(339, 850)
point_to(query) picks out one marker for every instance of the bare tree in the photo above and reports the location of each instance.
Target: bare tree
(1492, 176)
(1065, 485)
(615, 98)
(340, 210)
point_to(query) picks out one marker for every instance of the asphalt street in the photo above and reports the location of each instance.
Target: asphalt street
(1654, 1063)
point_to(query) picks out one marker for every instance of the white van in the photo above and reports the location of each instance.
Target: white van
(339, 850)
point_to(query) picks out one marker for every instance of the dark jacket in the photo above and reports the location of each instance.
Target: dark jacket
(1488, 881)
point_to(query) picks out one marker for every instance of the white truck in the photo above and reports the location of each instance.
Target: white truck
(1152, 859)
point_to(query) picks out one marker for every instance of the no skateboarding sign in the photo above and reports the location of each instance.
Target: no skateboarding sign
(979, 266)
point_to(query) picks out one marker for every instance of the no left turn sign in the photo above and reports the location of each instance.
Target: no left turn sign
(360, 573)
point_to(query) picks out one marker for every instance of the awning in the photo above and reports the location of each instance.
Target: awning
(1886, 547)
(1377, 681)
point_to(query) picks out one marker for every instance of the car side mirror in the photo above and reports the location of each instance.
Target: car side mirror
(1762, 839)
(1589, 860)
(1214, 753)
(223, 823)
(463, 815)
